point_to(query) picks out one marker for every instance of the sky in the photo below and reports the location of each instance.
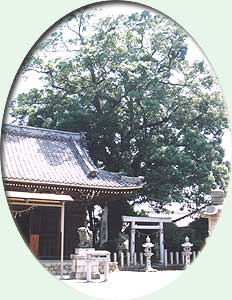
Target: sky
(114, 9)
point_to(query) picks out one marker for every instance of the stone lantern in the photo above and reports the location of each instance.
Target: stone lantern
(213, 211)
(217, 196)
(148, 254)
(187, 251)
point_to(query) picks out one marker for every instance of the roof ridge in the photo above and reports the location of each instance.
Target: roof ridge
(84, 156)
(36, 131)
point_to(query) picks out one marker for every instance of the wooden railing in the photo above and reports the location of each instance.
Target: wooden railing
(124, 259)
(177, 257)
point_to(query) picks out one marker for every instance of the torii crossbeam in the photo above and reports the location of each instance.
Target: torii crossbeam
(157, 219)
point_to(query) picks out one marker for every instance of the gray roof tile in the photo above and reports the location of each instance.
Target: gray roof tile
(55, 157)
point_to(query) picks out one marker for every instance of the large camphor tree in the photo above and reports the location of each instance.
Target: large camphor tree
(147, 110)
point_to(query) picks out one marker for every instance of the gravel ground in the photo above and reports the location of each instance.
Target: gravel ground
(125, 284)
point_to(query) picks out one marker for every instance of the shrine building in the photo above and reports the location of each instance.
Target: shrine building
(51, 182)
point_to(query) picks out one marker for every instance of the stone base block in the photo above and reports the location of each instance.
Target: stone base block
(82, 275)
(113, 267)
(83, 251)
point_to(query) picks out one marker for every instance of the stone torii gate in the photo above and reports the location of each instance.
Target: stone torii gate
(148, 220)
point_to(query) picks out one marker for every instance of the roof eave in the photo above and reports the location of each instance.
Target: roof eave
(26, 181)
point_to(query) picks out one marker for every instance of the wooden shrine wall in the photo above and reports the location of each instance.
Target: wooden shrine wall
(41, 230)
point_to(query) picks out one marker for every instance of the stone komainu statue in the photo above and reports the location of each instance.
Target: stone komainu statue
(122, 242)
(85, 237)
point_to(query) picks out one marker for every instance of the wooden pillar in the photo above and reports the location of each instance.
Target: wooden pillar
(92, 224)
(62, 240)
(104, 226)
(161, 243)
(132, 242)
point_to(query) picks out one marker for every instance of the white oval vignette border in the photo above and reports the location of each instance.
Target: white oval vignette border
(22, 24)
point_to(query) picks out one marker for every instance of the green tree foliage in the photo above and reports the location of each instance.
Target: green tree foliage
(146, 109)
(174, 236)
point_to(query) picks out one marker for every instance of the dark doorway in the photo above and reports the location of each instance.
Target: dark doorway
(23, 224)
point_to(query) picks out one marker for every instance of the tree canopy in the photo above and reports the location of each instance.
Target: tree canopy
(147, 111)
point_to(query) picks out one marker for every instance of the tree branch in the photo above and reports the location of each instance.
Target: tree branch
(159, 123)
(173, 84)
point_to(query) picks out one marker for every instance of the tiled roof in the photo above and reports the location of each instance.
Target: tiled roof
(55, 157)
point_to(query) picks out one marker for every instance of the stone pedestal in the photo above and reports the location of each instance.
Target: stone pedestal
(85, 263)
(80, 265)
